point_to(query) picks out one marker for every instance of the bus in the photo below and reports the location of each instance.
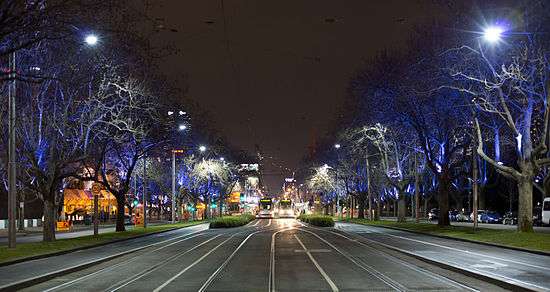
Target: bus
(286, 209)
(266, 208)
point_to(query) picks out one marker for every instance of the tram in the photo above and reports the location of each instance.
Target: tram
(266, 208)
(286, 209)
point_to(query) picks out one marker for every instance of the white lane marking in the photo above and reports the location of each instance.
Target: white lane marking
(115, 287)
(460, 266)
(271, 285)
(319, 268)
(313, 250)
(412, 267)
(460, 250)
(194, 263)
(220, 268)
(388, 281)
(268, 224)
(110, 268)
(257, 222)
(489, 265)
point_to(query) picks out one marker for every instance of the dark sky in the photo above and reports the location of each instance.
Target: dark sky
(283, 78)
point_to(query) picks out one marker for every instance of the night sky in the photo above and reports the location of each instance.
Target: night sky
(277, 75)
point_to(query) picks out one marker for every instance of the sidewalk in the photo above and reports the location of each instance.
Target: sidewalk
(34, 234)
(471, 224)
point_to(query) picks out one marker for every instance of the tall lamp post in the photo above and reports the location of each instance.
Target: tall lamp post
(12, 192)
(338, 207)
(174, 151)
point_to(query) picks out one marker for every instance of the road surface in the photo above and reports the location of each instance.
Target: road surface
(265, 255)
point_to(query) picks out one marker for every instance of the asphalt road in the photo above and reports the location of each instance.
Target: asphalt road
(265, 255)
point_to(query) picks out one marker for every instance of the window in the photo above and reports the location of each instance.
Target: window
(546, 206)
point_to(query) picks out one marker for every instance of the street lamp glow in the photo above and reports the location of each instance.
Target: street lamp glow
(91, 40)
(493, 34)
(337, 146)
(202, 148)
(182, 127)
(222, 159)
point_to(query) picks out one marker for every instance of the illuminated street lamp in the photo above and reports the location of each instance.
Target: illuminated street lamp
(182, 127)
(91, 39)
(222, 159)
(337, 146)
(202, 148)
(493, 34)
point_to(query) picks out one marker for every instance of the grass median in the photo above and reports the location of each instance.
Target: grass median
(317, 220)
(231, 221)
(533, 241)
(26, 250)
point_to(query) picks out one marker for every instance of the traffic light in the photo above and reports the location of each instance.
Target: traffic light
(135, 202)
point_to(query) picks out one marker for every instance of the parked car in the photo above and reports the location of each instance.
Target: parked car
(433, 214)
(510, 218)
(129, 220)
(479, 214)
(546, 211)
(453, 215)
(462, 217)
(491, 217)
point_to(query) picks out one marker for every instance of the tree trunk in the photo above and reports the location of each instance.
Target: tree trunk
(361, 210)
(378, 209)
(401, 208)
(50, 219)
(525, 205)
(120, 215)
(443, 190)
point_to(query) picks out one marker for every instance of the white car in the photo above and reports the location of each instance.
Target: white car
(546, 211)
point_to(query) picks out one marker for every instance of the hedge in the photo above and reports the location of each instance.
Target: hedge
(231, 221)
(317, 220)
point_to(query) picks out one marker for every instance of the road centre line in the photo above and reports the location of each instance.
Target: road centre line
(319, 268)
(388, 281)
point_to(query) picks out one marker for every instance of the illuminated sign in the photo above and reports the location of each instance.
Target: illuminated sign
(265, 200)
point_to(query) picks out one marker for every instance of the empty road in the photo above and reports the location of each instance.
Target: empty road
(265, 255)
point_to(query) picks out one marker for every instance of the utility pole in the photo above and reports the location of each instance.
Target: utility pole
(474, 185)
(173, 186)
(144, 189)
(12, 166)
(416, 190)
(369, 194)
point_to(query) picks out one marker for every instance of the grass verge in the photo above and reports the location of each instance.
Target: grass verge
(317, 220)
(231, 221)
(26, 250)
(532, 241)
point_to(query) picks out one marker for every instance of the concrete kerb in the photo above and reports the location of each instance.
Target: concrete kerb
(538, 252)
(3, 264)
(498, 282)
(42, 278)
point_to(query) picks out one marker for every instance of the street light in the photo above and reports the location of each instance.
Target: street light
(202, 148)
(337, 146)
(182, 127)
(338, 208)
(222, 159)
(91, 39)
(493, 34)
